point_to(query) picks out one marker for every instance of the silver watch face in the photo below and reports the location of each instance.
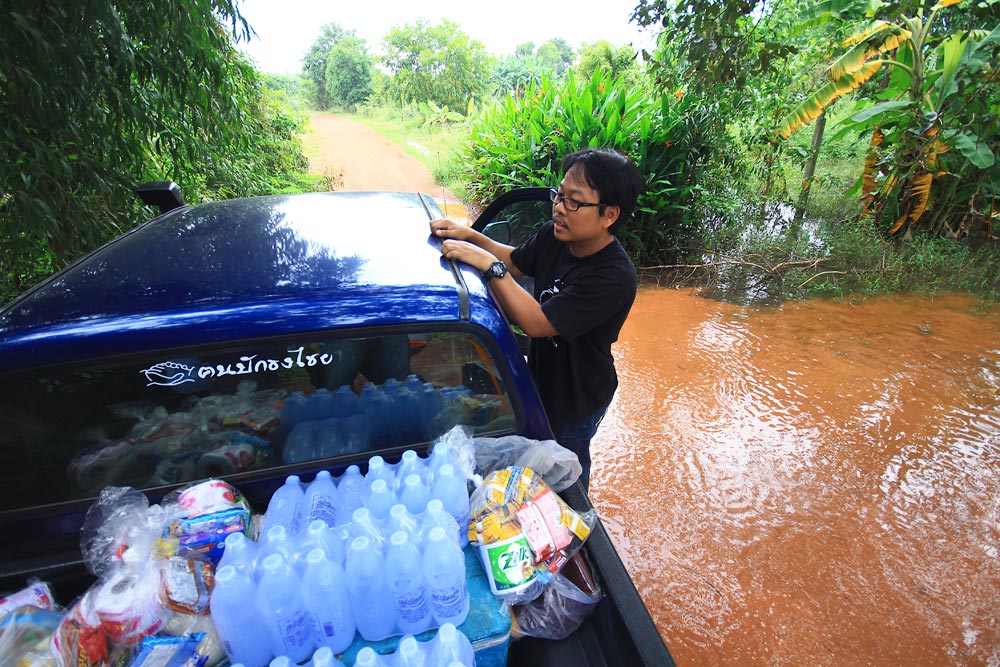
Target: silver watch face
(498, 270)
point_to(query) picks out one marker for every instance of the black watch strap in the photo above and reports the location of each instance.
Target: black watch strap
(497, 270)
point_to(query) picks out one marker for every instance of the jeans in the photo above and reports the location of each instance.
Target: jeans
(576, 438)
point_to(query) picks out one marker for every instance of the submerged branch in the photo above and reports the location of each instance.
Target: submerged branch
(768, 269)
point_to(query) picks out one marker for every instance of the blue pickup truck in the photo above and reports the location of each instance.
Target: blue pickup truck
(175, 353)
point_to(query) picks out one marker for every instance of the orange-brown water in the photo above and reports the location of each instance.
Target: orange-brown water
(812, 484)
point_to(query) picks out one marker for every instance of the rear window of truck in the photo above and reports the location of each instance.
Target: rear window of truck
(170, 419)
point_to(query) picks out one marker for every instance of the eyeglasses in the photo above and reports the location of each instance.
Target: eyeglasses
(570, 203)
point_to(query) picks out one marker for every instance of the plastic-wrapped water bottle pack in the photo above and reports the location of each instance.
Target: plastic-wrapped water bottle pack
(395, 567)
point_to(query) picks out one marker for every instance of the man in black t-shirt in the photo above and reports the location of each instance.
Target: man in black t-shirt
(585, 284)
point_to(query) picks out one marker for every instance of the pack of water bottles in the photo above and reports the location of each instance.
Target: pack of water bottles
(378, 555)
(327, 423)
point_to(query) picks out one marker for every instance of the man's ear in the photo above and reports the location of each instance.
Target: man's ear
(610, 216)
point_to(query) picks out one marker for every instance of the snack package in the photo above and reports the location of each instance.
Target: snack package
(205, 514)
(80, 641)
(525, 532)
(36, 595)
(25, 633)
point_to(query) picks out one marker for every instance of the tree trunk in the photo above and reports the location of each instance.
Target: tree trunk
(810, 172)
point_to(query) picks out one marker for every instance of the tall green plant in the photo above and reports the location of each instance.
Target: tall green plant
(933, 123)
(520, 142)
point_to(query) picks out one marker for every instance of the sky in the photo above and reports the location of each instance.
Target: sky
(287, 28)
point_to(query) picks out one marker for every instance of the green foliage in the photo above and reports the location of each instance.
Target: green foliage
(520, 142)
(720, 41)
(290, 90)
(438, 63)
(933, 154)
(513, 74)
(349, 73)
(614, 61)
(557, 56)
(528, 65)
(314, 63)
(97, 99)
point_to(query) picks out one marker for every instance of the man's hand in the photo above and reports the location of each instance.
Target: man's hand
(445, 228)
(463, 243)
(468, 253)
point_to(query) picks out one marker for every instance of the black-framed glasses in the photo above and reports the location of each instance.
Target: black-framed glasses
(570, 203)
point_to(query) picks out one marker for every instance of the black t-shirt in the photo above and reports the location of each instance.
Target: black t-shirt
(587, 300)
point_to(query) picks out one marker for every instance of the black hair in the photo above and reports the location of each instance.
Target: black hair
(615, 178)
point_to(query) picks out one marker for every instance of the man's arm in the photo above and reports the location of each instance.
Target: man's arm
(520, 306)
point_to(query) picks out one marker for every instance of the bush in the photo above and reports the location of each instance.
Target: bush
(520, 142)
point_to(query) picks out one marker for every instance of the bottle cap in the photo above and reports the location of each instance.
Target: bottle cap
(323, 657)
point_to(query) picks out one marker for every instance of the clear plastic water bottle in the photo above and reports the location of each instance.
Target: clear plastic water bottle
(444, 573)
(355, 434)
(437, 515)
(285, 507)
(401, 519)
(324, 657)
(405, 577)
(345, 402)
(407, 408)
(431, 405)
(329, 438)
(367, 657)
(379, 469)
(319, 405)
(279, 602)
(239, 551)
(377, 411)
(282, 661)
(415, 494)
(454, 494)
(278, 542)
(410, 653)
(371, 599)
(234, 614)
(352, 492)
(324, 593)
(409, 464)
(320, 500)
(449, 647)
(318, 534)
(300, 443)
(380, 499)
(363, 524)
(293, 411)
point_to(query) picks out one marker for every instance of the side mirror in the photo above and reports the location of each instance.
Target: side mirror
(164, 195)
(499, 231)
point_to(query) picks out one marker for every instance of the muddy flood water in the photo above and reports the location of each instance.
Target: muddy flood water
(811, 484)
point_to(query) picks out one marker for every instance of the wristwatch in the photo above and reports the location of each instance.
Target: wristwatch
(496, 270)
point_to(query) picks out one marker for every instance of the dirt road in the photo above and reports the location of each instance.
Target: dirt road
(359, 159)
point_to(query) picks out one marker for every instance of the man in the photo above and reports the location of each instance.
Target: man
(585, 284)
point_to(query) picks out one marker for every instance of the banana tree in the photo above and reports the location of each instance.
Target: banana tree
(932, 123)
